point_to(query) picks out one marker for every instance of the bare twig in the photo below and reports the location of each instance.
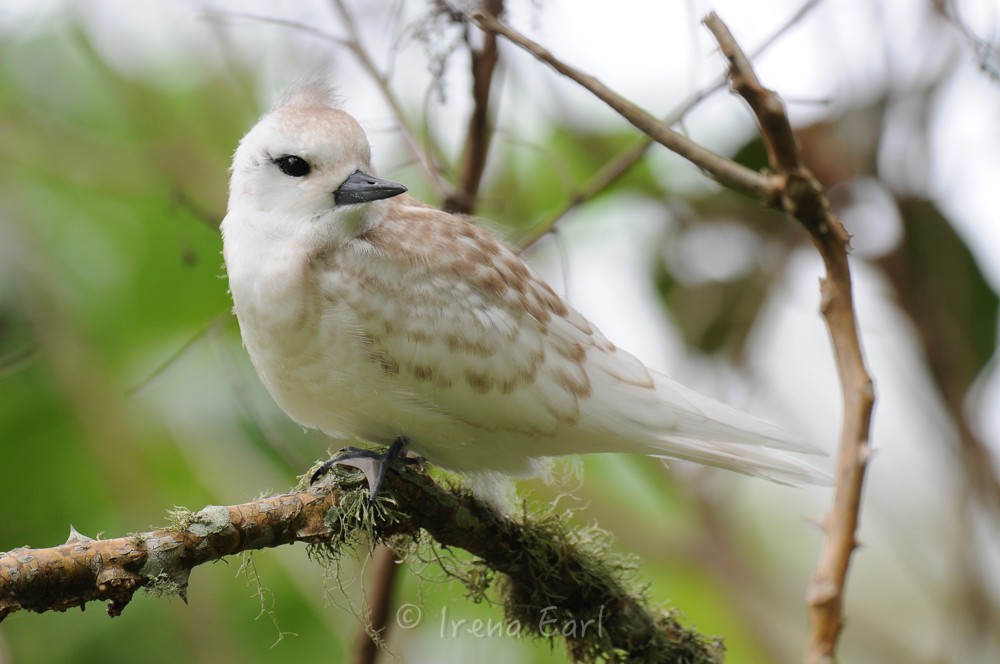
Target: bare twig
(782, 148)
(547, 570)
(983, 49)
(600, 181)
(723, 170)
(282, 22)
(17, 359)
(354, 44)
(150, 378)
(384, 574)
(479, 133)
(630, 156)
(179, 198)
(802, 198)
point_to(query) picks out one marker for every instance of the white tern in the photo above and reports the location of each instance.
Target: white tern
(372, 315)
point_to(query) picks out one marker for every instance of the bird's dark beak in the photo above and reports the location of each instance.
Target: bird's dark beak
(362, 188)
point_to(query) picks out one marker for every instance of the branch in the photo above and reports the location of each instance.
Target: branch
(354, 44)
(478, 135)
(802, 197)
(604, 178)
(548, 571)
(84, 570)
(724, 171)
(383, 584)
(630, 156)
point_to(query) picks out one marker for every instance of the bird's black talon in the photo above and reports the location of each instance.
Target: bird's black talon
(345, 453)
(372, 464)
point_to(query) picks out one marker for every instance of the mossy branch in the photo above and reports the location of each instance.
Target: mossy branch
(545, 568)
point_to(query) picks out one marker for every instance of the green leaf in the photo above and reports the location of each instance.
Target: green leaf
(943, 289)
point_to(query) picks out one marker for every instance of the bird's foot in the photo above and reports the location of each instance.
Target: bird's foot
(373, 464)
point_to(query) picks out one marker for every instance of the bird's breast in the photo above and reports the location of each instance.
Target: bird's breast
(305, 343)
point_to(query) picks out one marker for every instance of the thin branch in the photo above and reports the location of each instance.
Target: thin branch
(285, 23)
(220, 17)
(984, 50)
(179, 198)
(477, 138)
(549, 572)
(600, 181)
(147, 380)
(782, 147)
(17, 359)
(725, 171)
(354, 44)
(630, 156)
(802, 197)
(385, 571)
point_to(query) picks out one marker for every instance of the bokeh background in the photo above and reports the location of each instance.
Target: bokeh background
(124, 390)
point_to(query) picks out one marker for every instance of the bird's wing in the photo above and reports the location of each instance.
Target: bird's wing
(464, 324)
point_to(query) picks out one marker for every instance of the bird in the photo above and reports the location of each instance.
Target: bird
(371, 315)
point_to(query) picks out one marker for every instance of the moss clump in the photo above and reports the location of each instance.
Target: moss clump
(179, 518)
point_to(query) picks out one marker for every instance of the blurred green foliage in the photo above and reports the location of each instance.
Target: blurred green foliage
(946, 293)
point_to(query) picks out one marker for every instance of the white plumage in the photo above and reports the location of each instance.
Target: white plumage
(369, 314)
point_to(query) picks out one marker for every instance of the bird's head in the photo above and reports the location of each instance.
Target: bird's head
(305, 167)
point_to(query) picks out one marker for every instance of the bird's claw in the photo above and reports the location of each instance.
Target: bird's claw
(373, 464)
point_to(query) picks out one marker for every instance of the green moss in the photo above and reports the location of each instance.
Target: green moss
(264, 595)
(166, 584)
(179, 518)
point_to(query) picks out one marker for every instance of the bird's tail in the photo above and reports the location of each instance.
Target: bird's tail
(771, 464)
(676, 422)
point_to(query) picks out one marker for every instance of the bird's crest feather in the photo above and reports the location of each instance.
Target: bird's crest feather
(314, 91)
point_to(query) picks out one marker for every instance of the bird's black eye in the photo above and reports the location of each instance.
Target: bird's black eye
(293, 166)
